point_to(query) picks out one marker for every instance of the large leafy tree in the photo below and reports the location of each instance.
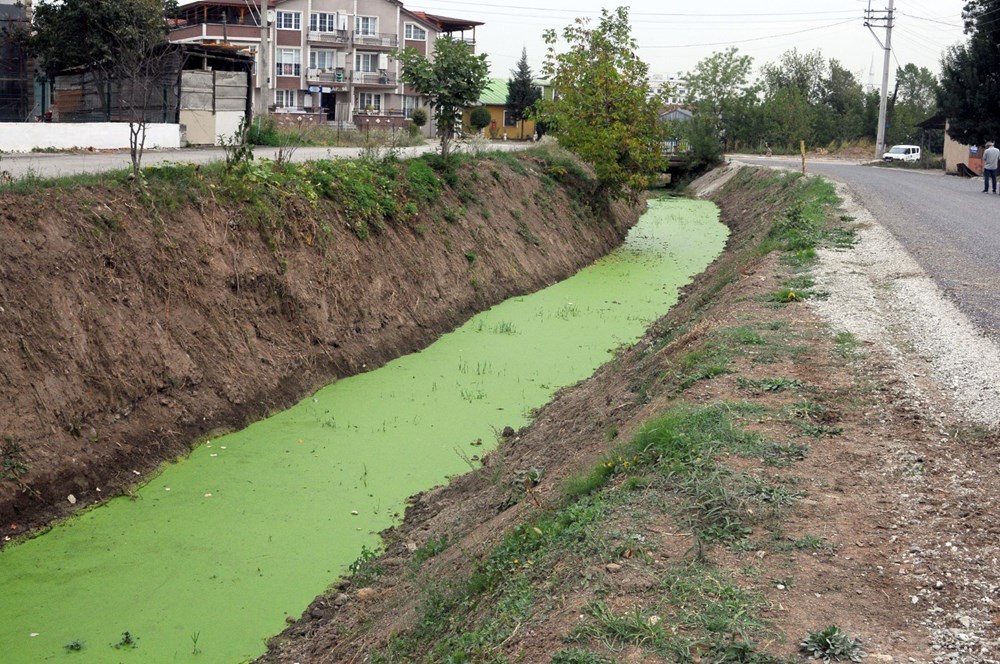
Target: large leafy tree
(451, 81)
(522, 93)
(805, 72)
(720, 90)
(914, 100)
(95, 33)
(602, 109)
(841, 113)
(970, 77)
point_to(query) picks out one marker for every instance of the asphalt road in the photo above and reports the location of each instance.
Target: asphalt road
(947, 224)
(44, 164)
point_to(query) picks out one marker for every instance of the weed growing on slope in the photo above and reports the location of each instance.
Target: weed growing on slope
(832, 645)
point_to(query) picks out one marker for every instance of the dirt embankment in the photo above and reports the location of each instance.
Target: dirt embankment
(129, 329)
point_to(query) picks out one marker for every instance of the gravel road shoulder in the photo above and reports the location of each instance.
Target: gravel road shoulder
(947, 372)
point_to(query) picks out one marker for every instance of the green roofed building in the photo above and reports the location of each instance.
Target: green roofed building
(503, 123)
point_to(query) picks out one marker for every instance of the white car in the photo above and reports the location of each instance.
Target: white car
(902, 153)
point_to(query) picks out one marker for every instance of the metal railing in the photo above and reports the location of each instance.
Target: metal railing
(386, 39)
(328, 75)
(373, 78)
(337, 37)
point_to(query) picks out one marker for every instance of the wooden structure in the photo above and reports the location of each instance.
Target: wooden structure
(203, 87)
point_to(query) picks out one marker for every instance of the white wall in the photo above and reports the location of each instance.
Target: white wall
(25, 136)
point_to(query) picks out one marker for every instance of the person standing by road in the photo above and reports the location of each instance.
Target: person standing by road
(991, 158)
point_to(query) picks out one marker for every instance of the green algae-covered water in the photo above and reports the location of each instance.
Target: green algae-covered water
(218, 549)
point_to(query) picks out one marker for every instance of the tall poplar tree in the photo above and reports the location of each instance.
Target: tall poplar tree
(521, 91)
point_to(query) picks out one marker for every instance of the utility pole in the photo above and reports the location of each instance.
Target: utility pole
(881, 19)
(265, 73)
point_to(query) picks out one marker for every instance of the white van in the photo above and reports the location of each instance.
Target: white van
(902, 153)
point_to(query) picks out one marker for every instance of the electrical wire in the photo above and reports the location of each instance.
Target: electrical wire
(701, 15)
(752, 39)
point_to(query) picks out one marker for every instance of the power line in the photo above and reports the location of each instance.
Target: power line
(754, 39)
(667, 14)
(930, 20)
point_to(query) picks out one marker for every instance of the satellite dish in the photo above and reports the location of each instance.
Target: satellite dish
(270, 16)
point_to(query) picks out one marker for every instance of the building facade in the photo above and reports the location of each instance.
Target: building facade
(330, 59)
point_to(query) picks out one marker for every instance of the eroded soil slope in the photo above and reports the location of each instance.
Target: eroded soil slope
(131, 325)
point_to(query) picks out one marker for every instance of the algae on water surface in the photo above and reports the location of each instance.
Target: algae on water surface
(251, 526)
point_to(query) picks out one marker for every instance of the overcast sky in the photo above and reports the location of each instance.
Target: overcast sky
(673, 35)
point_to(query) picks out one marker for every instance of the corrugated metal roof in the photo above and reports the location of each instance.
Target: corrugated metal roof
(495, 93)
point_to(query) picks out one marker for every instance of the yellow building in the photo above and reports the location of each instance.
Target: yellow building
(502, 122)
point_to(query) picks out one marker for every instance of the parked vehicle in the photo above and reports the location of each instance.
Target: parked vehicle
(902, 153)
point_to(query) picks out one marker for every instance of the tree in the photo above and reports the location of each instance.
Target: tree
(719, 88)
(94, 33)
(141, 72)
(454, 80)
(602, 110)
(914, 100)
(806, 72)
(843, 107)
(521, 91)
(970, 79)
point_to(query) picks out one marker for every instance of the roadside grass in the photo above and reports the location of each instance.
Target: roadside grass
(270, 133)
(293, 203)
(32, 182)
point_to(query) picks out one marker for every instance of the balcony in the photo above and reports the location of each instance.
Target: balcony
(330, 38)
(336, 78)
(378, 40)
(375, 79)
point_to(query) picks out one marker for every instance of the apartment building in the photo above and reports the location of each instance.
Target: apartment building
(675, 84)
(329, 59)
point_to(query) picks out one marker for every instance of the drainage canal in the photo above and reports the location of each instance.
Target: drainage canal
(208, 558)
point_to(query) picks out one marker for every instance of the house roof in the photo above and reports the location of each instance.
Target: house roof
(933, 122)
(495, 93)
(446, 23)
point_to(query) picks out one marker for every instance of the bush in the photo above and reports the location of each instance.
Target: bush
(264, 131)
(419, 117)
(480, 118)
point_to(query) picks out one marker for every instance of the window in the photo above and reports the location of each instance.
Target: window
(285, 98)
(322, 59)
(366, 25)
(288, 62)
(509, 119)
(409, 103)
(323, 22)
(368, 101)
(366, 62)
(414, 31)
(289, 21)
